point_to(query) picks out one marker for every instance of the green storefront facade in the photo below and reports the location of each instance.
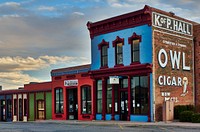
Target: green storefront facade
(40, 106)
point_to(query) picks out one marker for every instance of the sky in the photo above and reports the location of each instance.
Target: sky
(37, 36)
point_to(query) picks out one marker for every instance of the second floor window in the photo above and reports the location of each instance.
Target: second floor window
(134, 41)
(104, 55)
(118, 44)
(119, 53)
(103, 47)
(135, 50)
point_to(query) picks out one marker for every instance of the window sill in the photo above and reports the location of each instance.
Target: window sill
(87, 116)
(119, 65)
(103, 67)
(135, 63)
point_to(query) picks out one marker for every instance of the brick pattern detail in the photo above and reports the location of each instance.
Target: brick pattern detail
(159, 37)
(197, 63)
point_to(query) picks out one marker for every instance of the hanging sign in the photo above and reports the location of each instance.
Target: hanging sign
(114, 80)
(71, 82)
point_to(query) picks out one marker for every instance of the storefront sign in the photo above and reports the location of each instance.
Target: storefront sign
(169, 23)
(177, 60)
(114, 80)
(71, 82)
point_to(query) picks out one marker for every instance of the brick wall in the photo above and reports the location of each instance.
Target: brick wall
(176, 42)
(197, 63)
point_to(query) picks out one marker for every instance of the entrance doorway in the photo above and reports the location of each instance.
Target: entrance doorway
(124, 105)
(2, 110)
(40, 109)
(72, 104)
(20, 110)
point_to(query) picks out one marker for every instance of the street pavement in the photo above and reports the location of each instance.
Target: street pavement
(125, 123)
(97, 126)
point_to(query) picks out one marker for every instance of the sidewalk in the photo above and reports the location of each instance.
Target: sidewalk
(124, 123)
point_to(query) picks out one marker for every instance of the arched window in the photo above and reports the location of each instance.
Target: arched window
(118, 44)
(86, 99)
(59, 100)
(135, 40)
(103, 47)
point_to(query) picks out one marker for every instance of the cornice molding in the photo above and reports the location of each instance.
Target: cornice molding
(128, 20)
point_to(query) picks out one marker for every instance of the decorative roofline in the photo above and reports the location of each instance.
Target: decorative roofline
(128, 20)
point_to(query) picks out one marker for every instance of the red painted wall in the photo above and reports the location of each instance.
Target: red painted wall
(82, 80)
(38, 86)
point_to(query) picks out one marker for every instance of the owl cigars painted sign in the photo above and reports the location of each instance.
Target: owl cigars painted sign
(169, 23)
(175, 60)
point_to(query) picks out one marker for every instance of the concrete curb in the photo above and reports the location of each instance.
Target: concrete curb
(123, 123)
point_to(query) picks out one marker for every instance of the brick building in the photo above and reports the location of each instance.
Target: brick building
(197, 63)
(140, 60)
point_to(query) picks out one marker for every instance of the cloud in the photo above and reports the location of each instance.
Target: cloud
(46, 8)
(9, 80)
(29, 63)
(13, 69)
(36, 36)
(11, 4)
(78, 13)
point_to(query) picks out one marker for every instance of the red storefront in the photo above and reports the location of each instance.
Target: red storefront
(72, 90)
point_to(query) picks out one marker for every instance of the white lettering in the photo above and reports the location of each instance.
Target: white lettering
(162, 64)
(188, 30)
(179, 81)
(159, 80)
(169, 81)
(176, 25)
(173, 81)
(180, 28)
(157, 22)
(168, 22)
(184, 66)
(175, 59)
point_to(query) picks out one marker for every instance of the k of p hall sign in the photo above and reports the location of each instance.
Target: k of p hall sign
(172, 24)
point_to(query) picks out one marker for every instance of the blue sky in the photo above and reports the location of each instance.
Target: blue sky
(37, 36)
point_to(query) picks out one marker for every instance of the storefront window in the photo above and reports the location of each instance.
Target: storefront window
(9, 108)
(139, 95)
(59, 100)
(99, 96)
(25, 107)
(109, 97)
(15, 107)
(124, 82)
(116, 98)
(86, 100)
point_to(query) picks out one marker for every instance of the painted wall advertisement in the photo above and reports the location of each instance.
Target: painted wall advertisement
(173, 59)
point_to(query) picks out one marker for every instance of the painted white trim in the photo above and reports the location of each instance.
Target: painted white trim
(173, 34)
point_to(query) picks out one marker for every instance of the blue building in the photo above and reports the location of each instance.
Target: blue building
(140, 60)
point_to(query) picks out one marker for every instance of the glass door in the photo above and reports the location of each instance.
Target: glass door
(124, 105)
(72, 104)
(3, 110)
(20, 110)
